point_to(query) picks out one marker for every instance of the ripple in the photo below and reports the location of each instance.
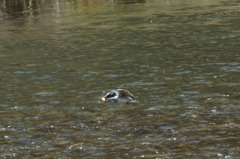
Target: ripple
(140, 84)
(22, 72)
(182, 73)
(41, 77)
(233, 68)
(45, 94)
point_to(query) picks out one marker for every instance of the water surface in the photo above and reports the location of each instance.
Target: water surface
(179, 58)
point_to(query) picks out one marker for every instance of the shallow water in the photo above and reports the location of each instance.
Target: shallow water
(179, 58)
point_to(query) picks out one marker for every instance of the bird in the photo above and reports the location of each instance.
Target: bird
(119, 96)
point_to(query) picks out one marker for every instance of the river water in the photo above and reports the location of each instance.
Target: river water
(179, 58)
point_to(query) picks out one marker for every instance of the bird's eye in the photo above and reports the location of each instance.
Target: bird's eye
(111, 94)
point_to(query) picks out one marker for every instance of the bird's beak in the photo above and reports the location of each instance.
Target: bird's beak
(102, 99)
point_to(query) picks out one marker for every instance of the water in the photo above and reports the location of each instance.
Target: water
(179, 58)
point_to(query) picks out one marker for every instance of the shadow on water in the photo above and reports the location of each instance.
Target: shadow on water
(179, 58)
(29, 7)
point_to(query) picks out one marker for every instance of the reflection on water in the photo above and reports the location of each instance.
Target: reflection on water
(179, 58)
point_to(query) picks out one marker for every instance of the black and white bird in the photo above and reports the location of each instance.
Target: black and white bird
(119, 95)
